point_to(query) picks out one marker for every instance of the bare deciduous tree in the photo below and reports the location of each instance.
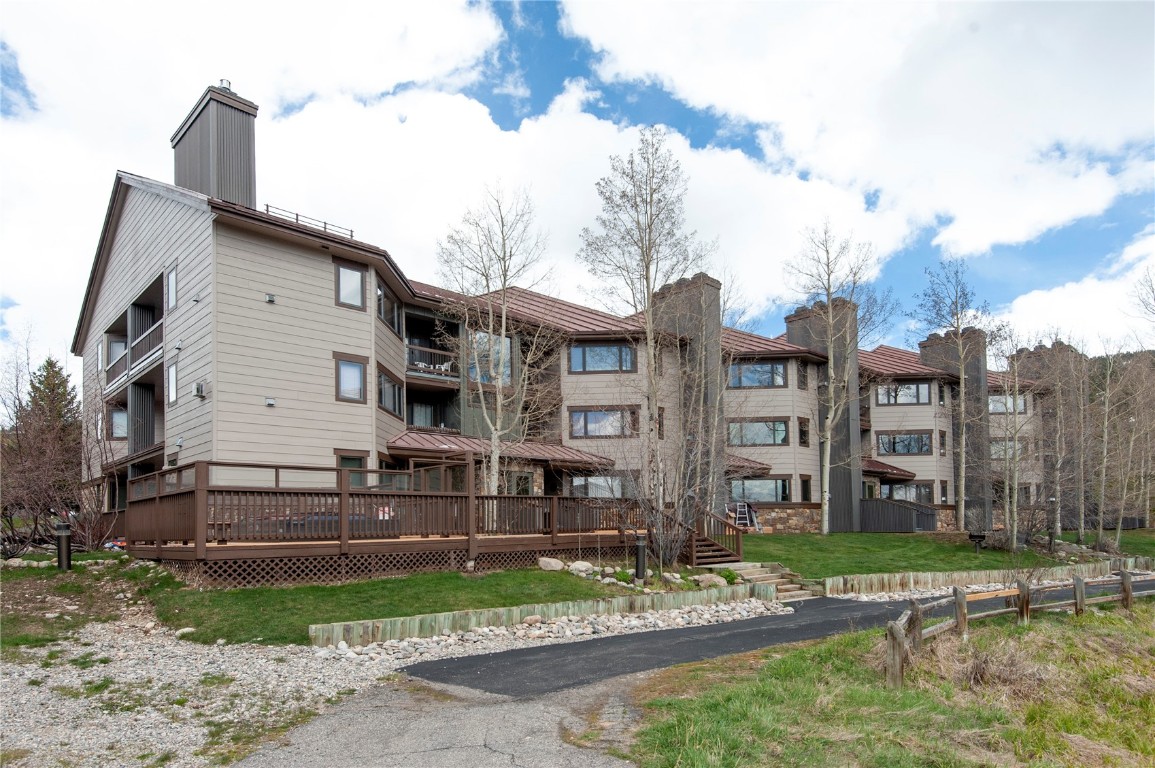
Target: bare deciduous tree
(948, 304)
(641, 244)
(496, 251)
(834, 274)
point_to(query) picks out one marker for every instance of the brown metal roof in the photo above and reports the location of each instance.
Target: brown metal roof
(1004, 382)
(744, 343)
(442, 443)
(740, 465)
(895, 363)
(885, 471)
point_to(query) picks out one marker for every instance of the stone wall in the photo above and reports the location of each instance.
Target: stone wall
(945, 520)
(792, 518)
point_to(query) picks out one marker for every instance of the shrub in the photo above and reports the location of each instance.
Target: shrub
(729, 575)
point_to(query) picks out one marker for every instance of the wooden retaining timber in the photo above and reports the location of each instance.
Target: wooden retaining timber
(906, 636)
(870, 583)
(428, 625)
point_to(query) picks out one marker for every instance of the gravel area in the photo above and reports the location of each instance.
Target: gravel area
(130, 692)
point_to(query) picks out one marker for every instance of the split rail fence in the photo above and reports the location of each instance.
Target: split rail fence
(905, 636)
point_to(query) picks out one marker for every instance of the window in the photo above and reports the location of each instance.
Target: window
(350, 377)
(356, 479)
(909, 443)
(757, 375)
(601, 358)
(116, 349)
(117, 422)
(518, 483)
(921, 493)
(803, 431)
(942, 442)
(803, 374)
(942, 490)
(804, 488)
(941, 393)
(171, 280)
(490, 358)
(904, 394)
(602, 487)
(171, 384)
(388, 308)
(760, 489)
(388, 393)
(603, 422)
(768, 432)
(1006, 403)
(1005, 449)
(350, 285)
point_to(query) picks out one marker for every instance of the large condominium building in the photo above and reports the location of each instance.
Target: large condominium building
(215, 331)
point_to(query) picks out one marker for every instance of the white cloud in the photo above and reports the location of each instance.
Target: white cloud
(1099, 310)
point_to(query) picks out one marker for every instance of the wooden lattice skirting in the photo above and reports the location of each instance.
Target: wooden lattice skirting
(342, 569)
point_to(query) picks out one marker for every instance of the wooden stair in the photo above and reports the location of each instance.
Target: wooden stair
(708, 552)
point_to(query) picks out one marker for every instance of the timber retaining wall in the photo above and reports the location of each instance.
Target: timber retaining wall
(430, 624)
(869, 583)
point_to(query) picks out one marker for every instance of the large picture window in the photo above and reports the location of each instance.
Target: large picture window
(917, 393)
(757, 375)
(601, 358)
(768, 432)
(904, 443)
(603, 487)
(760, 489)
(388, 308)
(603, 422)
(921, 493)
(1007, 403)
(490, 359)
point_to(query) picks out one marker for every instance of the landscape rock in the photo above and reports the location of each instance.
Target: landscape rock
(550, 564)
(711, 580)
(581, 567)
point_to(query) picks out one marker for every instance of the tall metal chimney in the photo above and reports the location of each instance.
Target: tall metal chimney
(215, 147)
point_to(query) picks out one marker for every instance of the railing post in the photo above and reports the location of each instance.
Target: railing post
(1024, 601)
(914, 627)
(200, 509)
(895, 654)
(1128, 592)
(343, 508)
(471, 506)
(156, 513)
(1080, 595)
(553, 513)
(960, 612)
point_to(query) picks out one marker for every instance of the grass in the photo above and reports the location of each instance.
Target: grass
(1060, 691)
(1138, 542)
(815, 556)
(279, 616)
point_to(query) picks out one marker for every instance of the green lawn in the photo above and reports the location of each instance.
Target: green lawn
(839, 554)
(1059, 691)
(281, 615)
(1139, 542)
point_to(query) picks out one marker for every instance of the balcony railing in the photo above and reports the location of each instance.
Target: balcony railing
(148, 341)
(118, 367)
(435, 361)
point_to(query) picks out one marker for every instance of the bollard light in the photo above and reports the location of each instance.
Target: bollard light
(63, 545)
(639, 558)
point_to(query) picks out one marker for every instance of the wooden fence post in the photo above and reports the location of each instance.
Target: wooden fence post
(343, 509)
(471, 507)
(1024, 601)
(895, 655)
(914, 627)
(1125, 585)
(1080, 595)
(960, 611)
(200, 508)
(554, 511)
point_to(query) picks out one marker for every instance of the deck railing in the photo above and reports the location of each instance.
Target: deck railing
(436, 361)
(118, 367)
(722, 532)
(892, 516)
(222, 503)
(148, 341)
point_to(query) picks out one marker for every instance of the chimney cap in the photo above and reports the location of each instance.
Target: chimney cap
(226, 85)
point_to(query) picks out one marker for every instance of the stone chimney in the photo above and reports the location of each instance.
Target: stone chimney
(215, 147)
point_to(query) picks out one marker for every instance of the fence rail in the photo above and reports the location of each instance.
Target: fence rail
(889, 516)
(905, 636)
(223, 503)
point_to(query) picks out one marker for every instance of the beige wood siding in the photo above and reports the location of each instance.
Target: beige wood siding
(284, 350)
(390, 351)
(915, 418)
(154, 233)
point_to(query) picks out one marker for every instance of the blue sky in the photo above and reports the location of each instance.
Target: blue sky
(1018, 136)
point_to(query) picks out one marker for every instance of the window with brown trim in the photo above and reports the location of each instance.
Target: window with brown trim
(803, 374)
(349, 377)
(603, 421)
(759, 432)
(943, 489)
(760, 489)
(170, 292)
(904, 443)
(349, 284)
(757, 375)
(389, 393)
(914, 393)
(603, 357)
(942, 442)
(388, 308)
(117, 422)
(804, 432)
(804, 487)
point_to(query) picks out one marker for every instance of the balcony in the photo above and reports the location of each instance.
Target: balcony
(435, 362)
(147, 342)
